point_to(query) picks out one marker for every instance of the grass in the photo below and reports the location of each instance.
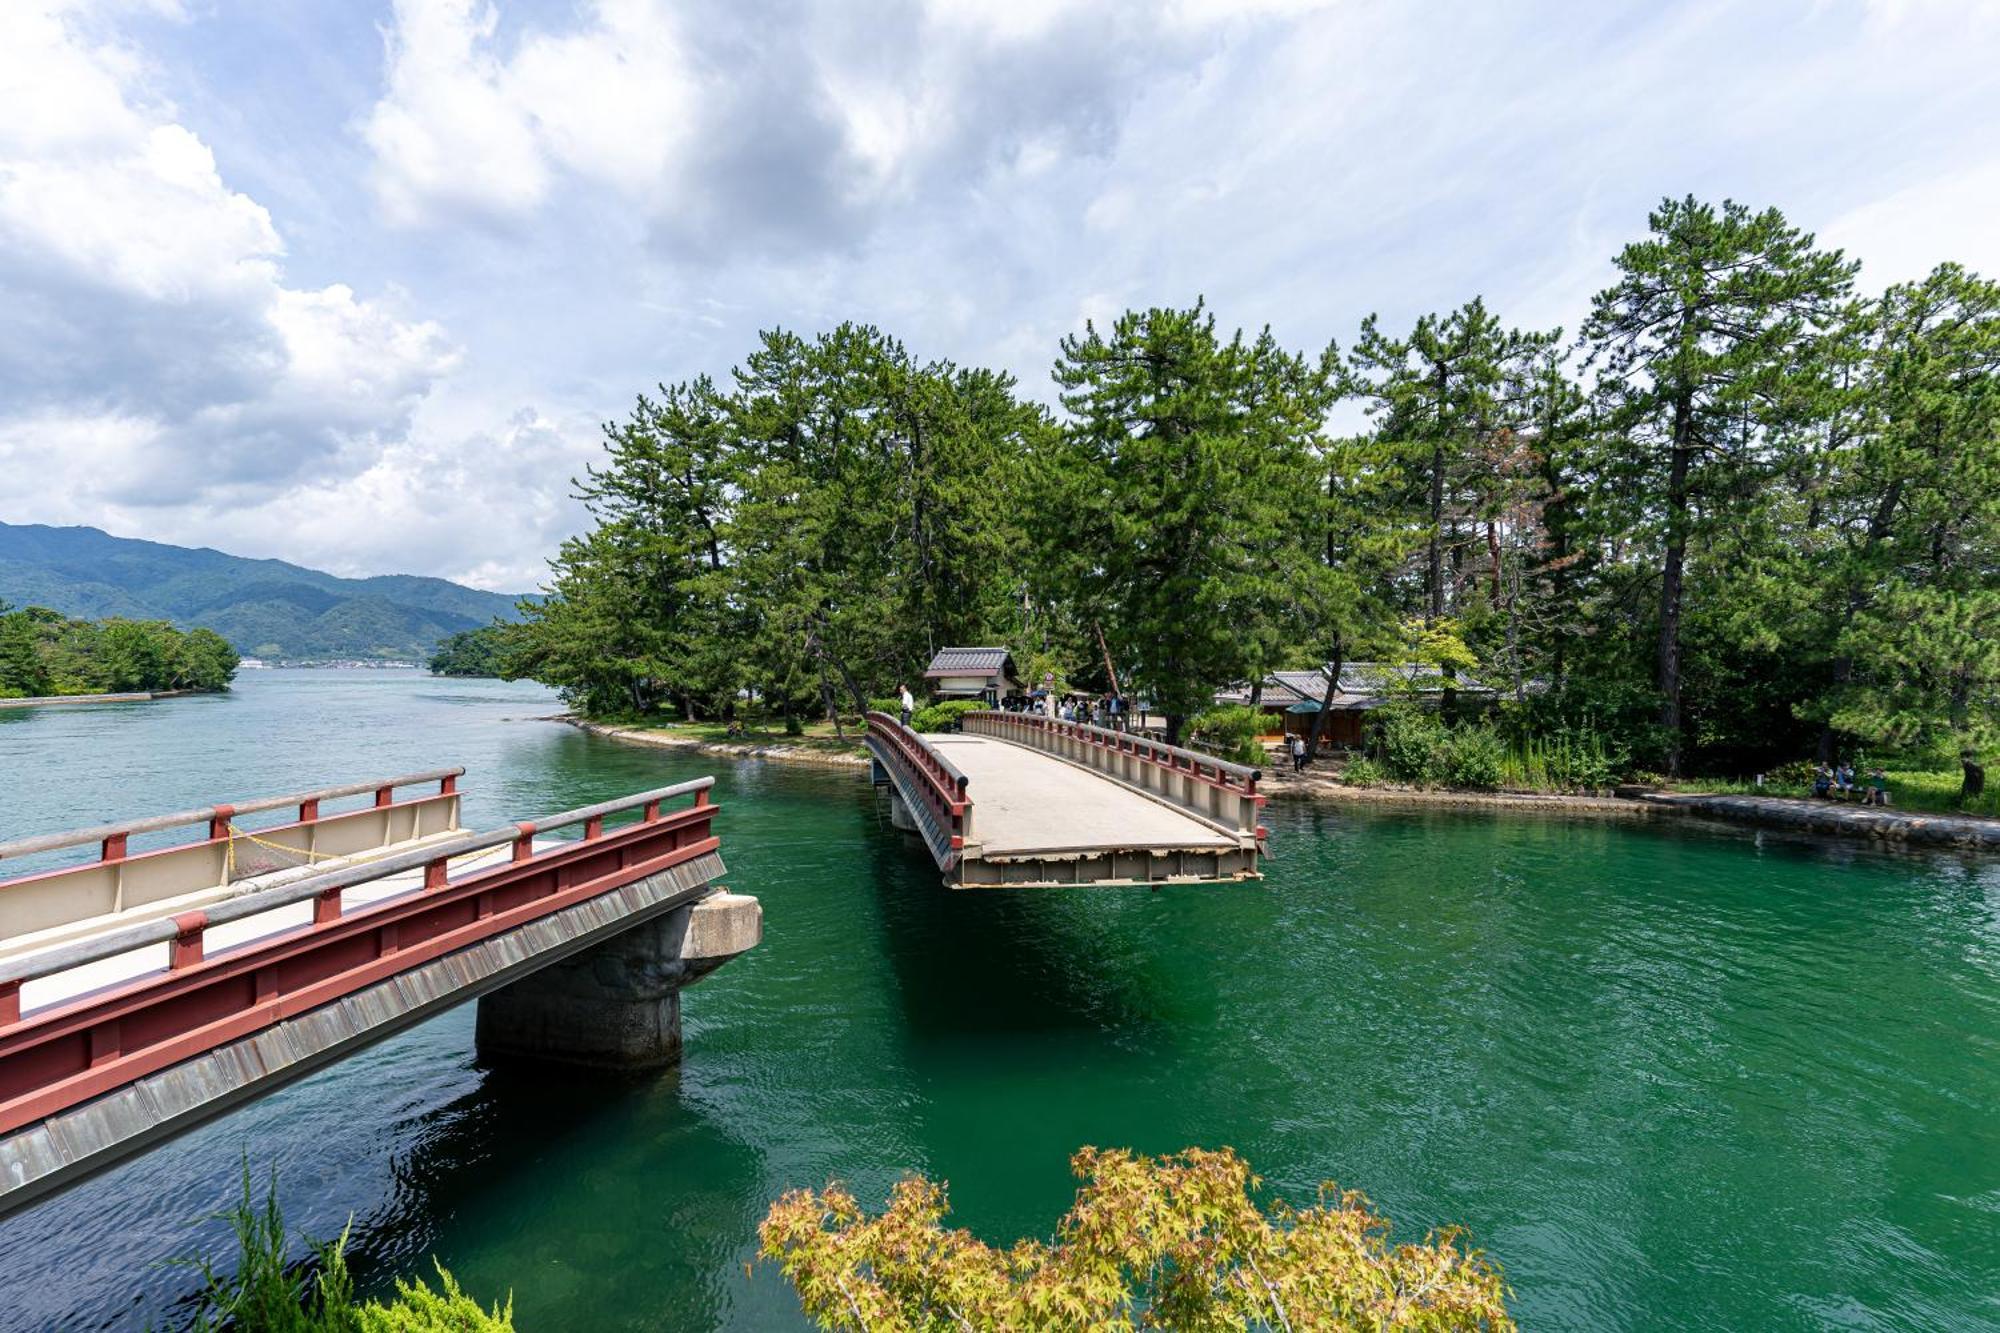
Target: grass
(1926, 791)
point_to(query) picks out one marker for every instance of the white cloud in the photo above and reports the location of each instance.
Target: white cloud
(1904, 235)
(151, 352)
(594, 195)
(462, 131)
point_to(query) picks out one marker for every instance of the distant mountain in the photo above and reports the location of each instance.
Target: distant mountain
(265, 608)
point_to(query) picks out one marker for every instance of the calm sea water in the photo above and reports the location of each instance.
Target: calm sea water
(1671, 1077)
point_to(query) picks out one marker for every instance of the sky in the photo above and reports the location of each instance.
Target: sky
(355, 283)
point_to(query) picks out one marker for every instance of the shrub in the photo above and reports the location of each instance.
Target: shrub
(1797, 773)
(1566, 761)
(1179, 1241)
(893, 707)
(1412, 743)
(943, 716)
(1361, 771)
(1474, 758)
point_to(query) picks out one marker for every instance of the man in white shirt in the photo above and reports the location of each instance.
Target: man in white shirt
(909, 703)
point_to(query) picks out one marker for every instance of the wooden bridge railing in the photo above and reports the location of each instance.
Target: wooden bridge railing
(1214, 790)
(120, 879)
(947, 812)
(69, 1049)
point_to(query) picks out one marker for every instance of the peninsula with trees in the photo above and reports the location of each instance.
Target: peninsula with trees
(1747, 515)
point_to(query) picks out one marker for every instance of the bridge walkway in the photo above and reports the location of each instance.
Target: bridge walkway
(1034, 804)
(1024, 800)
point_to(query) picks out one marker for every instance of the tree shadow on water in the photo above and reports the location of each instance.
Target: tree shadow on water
(1013, 961)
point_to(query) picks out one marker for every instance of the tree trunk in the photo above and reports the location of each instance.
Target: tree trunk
(1434, 611)
(1326, 701)
(1670, 584)
(1174, 721)
(826, 654)
(1110, 672)
(1972, 779)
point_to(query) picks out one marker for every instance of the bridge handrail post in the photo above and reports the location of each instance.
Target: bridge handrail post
(322, 887)
(218, 813)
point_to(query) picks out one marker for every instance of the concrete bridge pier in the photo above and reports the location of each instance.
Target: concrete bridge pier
(899, 813)
(617, 1005)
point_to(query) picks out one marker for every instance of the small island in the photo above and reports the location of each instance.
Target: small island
(47, 655)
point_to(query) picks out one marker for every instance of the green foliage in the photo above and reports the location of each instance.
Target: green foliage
(1566, 761)
(811, 531)
(1417, 747)
(43, 653)
(1177, 1242)
(1413, 745)
(266, 607)
(1186, 495)
(1361, 771)
(267, 1292)
(1475, 758)
(943, 715)
(489, 650)
(418, 1309)
(1231, 732)
(1759, 516)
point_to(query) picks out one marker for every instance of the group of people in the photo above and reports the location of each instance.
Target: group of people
(1108, 710)
(1839, 782)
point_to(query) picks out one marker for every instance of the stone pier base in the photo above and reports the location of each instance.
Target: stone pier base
(899, 812)
(618, 1005)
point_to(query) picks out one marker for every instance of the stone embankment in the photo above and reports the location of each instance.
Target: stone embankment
(776, 753)
(1284, 784)
(1853, 821)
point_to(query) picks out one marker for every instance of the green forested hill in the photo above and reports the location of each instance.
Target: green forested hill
(266, 608)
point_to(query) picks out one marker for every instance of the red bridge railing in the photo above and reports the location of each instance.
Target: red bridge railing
(112, 839)
(1215, 789)
(70, 1050)
(938, 781)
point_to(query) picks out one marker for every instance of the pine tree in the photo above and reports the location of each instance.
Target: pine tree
(1189, 470)
(1697, 340)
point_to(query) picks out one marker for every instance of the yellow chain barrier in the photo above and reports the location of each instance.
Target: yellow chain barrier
(314, 858)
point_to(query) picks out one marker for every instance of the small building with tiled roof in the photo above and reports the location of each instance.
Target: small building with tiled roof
(972, 673)
(1290, 699)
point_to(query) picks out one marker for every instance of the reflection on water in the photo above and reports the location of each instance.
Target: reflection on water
(1671, 1076)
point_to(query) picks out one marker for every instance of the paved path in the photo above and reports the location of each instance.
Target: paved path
(1025, 802)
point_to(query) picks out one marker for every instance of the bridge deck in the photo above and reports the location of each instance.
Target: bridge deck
(1034, 804)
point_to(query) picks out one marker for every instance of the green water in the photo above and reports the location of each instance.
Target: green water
(1670, 1077)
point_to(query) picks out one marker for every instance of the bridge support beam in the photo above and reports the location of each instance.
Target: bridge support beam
(617, 1005)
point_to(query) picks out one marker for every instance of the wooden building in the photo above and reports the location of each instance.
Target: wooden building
(972, 673)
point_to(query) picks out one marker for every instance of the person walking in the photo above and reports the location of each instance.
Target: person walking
(1298, 753)
(909, 703)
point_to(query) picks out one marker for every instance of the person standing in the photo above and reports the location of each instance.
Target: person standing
(909, 703)
(1298, 753)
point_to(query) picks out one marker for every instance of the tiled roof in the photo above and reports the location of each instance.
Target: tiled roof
(969, 662)
(1362, 685)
